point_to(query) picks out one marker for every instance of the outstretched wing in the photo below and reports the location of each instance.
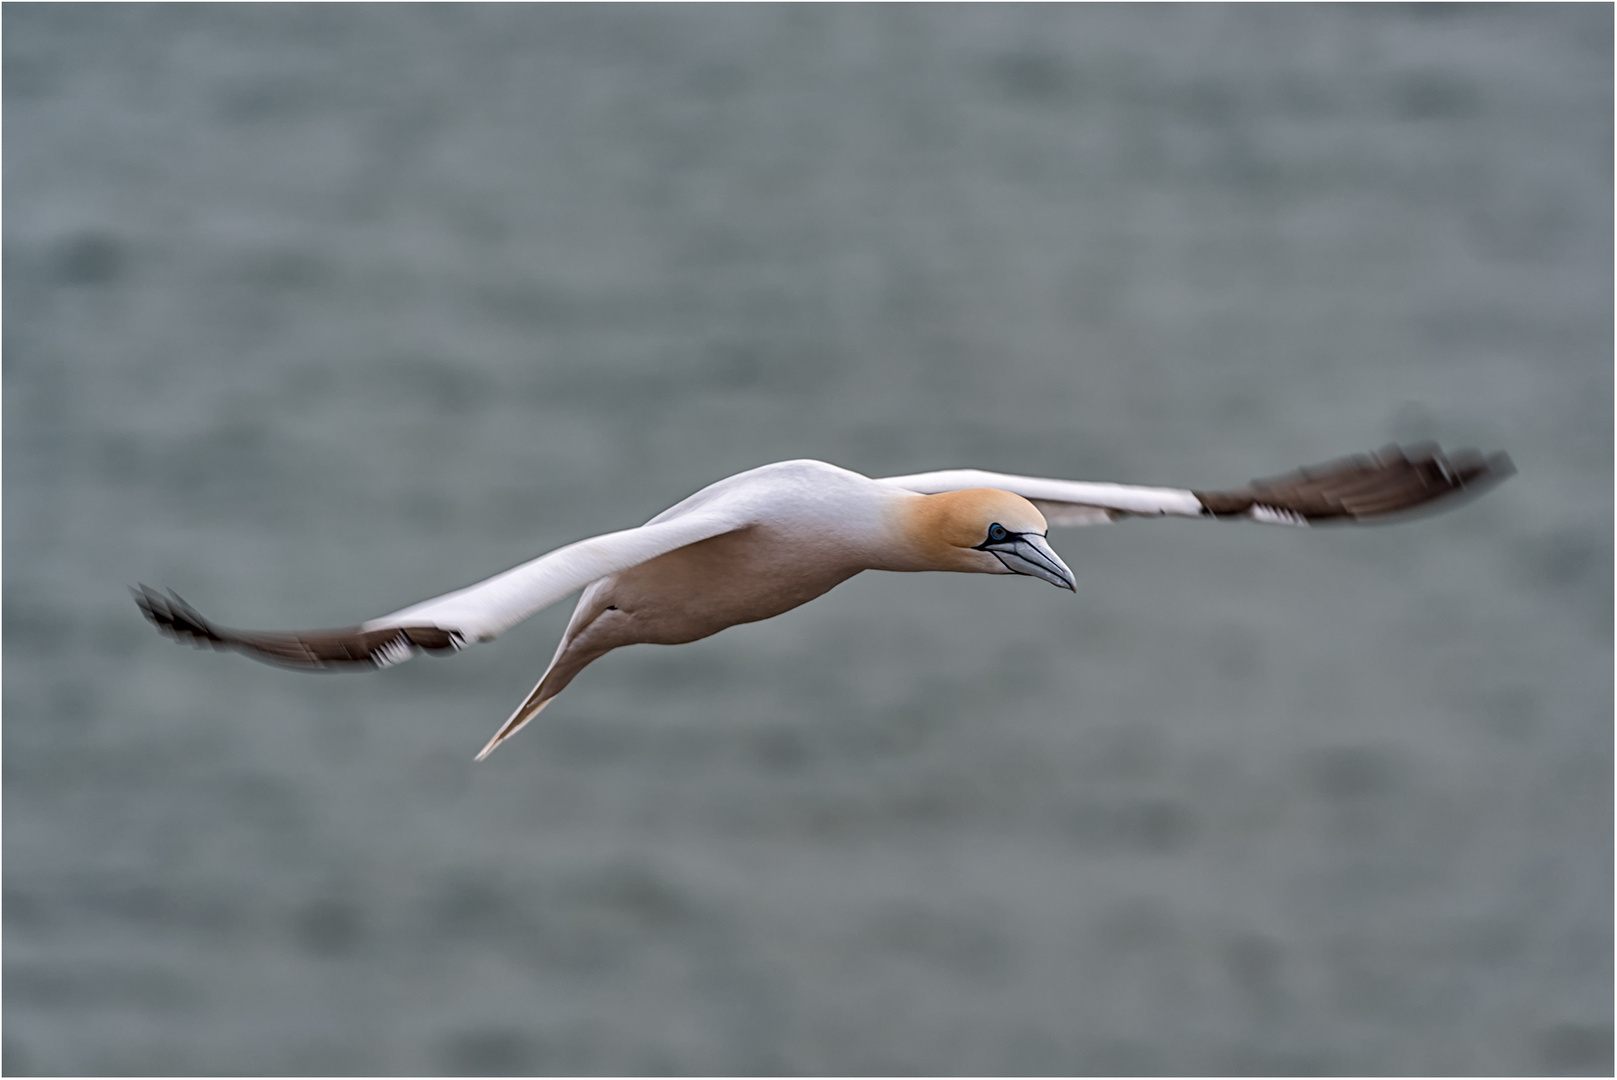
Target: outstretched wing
(347, 647)
(1365, 487)
(478, 612)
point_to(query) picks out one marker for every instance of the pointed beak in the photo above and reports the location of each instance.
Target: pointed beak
(1030, 554)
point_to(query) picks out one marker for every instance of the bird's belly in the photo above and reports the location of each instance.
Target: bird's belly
(702, 588)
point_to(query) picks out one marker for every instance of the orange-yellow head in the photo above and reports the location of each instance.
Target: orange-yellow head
(983, 531)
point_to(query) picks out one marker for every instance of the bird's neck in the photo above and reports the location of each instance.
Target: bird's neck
(925, 532)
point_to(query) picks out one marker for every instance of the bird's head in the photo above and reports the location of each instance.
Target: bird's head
(985, 531)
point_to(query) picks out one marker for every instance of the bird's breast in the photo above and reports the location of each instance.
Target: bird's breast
(739, 577)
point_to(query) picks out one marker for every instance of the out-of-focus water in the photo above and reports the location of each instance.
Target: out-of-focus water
(314, 311)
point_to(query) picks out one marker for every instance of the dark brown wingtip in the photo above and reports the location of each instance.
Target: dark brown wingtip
(1393, 481)
(177, 619)
(351, 648)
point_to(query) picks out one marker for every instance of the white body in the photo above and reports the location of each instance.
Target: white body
(764, 541)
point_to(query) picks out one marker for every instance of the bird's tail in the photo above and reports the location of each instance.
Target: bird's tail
(541, 696)
(564, 667)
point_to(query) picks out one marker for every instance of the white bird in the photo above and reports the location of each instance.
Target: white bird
(762, 542)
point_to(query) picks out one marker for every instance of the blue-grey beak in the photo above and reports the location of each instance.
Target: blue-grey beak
(1030, 554)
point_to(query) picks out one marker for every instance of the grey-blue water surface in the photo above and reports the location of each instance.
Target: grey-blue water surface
(314, 311)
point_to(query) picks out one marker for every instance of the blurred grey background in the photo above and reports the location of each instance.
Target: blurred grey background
(312, 312)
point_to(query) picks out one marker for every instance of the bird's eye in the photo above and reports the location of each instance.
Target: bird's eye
(997, 532)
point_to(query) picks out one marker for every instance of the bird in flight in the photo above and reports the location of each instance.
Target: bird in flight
(760, 543)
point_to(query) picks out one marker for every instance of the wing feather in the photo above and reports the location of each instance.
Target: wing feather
(1364, 487)
(1063, 502)
(449, 622)
(487, 609)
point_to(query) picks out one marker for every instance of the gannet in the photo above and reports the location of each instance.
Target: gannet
(760, 543)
